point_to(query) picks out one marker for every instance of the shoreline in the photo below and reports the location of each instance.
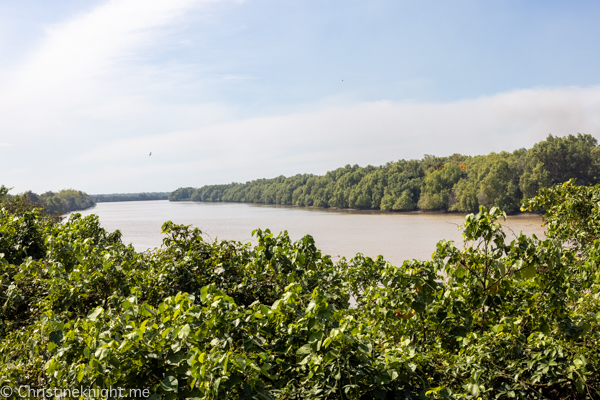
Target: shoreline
(352, 210)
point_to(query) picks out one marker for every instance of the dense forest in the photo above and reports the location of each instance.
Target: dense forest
(65, 201)
(455, 183)
(226, 320)
(105, 198)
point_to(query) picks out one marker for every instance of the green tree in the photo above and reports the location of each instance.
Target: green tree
(404, 202)
(499, 189)
(463, 197)
(437, 185)
(567, 157)
(533, 179)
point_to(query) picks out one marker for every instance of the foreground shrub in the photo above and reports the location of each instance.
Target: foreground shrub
(280, 320)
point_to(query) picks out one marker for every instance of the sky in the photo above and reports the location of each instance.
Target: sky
(223, 91)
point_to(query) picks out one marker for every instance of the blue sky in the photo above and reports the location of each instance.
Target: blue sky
(223, 91)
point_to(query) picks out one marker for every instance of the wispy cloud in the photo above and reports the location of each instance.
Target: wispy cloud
(366, 133)
(91, 61)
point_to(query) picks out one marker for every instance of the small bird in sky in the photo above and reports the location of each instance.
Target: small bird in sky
(150, 153)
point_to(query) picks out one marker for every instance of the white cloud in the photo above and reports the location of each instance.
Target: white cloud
(85, 63)
(364, 133)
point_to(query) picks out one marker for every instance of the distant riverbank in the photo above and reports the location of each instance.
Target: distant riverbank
(456, 183)
(145, 196)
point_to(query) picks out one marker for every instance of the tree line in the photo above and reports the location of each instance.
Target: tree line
(456, 183)
(105, 198)
(64, 201)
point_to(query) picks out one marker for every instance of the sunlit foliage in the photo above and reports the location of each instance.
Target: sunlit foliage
(498, 318)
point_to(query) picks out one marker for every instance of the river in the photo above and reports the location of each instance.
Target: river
(340, 233)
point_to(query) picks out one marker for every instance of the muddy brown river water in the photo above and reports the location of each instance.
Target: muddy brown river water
(340, 233)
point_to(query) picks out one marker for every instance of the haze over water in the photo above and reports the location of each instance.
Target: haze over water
(340, 233)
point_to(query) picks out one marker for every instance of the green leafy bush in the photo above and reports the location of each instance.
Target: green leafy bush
(280, 320)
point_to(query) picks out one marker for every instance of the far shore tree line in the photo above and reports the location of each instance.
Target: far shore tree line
(64, 201)
(106, 198)
(456, 183)
(67, 200)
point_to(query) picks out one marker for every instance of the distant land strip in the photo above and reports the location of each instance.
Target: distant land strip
(51, 203)
(106, 198)
(457, 183)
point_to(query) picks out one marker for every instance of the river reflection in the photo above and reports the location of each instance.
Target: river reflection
(340, 233)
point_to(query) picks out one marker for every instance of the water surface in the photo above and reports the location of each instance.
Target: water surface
(340, 233)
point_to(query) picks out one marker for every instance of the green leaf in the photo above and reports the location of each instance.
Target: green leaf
(101, 353)
(265, 395)
(367, 349)
(176, 346)
(579, 362)
(240, 363)
(184, 332)
(305, 360)
(95, 314)
(175, 359)
(544, 327)
(169, 384)
(580, 384)
(56, 337)
(418, 306)
(528, 272)
(306, 349)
